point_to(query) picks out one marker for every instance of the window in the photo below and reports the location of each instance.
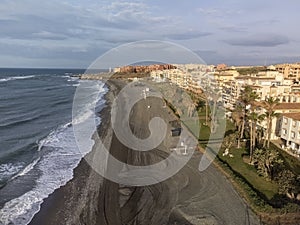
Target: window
(293, 134)
(284, 131)
(285, 120)
(294, 123)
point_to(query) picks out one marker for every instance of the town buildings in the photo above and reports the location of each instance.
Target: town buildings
(281, 82)
(275, 81)
(289, 70)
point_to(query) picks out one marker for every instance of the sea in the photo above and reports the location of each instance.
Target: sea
(38, 151)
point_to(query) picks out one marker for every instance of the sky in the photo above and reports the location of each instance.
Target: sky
(73, 33)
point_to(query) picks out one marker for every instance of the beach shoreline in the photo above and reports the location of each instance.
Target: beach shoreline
(188, 197)
(60, 207)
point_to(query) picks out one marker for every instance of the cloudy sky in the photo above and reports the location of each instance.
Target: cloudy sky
(73, 33)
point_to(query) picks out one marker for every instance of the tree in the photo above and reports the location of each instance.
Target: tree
(247, 100)
(253, 119)
(200, 104)
(267, 162)
(288, 183)
(214, 95)
(260, 133)
(237, 116)
(229, 140)
(269, 105)
(204, 95)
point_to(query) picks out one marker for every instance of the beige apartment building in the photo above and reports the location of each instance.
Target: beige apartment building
(289, 70)
(175, 76)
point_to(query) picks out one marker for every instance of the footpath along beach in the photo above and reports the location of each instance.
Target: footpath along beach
(189, 197)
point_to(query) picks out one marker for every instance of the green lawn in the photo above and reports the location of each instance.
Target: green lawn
(204, 133)
(248, 172)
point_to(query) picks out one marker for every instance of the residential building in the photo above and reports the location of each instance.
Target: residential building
(280, 109)
(289, 70)
(221, 67)
(290, 131)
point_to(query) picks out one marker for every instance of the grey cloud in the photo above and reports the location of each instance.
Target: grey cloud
(209, 56)
(233, 28)
(259, 40)
(33, 27)
(205, 52)
(187, 35)
(61, 21)
(48, 35)
(89, 52)
(218, 12)
(208, 11)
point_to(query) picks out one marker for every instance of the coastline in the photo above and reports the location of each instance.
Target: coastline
(189, 197)
(76, 201)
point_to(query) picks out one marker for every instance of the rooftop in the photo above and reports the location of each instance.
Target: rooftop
(288, 106)
(294, 116)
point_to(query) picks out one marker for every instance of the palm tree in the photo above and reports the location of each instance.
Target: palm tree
(254, 119)
(269, 105)
(237, 116)
(270, 116)
(205, 96)
(215, 95)
(247, 100)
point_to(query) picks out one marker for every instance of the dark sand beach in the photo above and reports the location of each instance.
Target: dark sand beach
(189, 197)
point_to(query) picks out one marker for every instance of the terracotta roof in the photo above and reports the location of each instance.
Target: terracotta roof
(288, 106)
(294, 116)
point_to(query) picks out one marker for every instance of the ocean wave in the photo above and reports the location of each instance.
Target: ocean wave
(27, 169)
(21, 121)
(58, 156)
(72, 79)
(16, 78)
(83, 117)
(8, 170)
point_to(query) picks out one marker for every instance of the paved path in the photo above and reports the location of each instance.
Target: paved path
(189, 197)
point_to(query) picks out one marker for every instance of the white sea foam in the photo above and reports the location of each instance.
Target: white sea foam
(72, 85)
(59, 156)
(10, 169)
(16, 78)
(57, 164)
(27, 169)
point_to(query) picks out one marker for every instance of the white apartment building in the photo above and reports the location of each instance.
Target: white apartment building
(290, 131)
(281, 109)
